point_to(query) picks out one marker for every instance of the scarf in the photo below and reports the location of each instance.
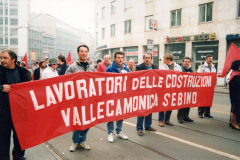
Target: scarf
(234, 73)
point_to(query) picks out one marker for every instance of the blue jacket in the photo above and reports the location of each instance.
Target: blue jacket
(114, 68)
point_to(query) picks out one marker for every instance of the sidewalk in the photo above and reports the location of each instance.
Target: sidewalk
(222, 89)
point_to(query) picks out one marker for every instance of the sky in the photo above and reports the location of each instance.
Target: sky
(77, 13)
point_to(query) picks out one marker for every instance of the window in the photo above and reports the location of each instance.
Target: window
(127, 26)
(113, 30)
(6, 40)
(238, 8)
(1, 20)
(176, 18)
(147, 23)
(103, 33)
(13, 2)
(6, 20)
(6, 31)
(6, 12)
(13, 21)
(13, 31)
(113, 7)
(205, 14)
(149, 1)
(14, 41)
(1, 12)
(103, 12)
(1, 31)
(97, 39)
(128, 3)
(14, 12)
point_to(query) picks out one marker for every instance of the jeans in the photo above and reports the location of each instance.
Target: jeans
(161, 116)
(6, 127)
(79, 136)
(148, 122)
(110, 127)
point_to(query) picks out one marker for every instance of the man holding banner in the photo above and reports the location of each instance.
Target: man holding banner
(164, 117)
(184, 112)
(10, 73)
(206, 67)
(147, 57)
(82, 65)
(117, 67)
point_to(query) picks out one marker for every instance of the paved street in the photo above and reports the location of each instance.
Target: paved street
(203, 139)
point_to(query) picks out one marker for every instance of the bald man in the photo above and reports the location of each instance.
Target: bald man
(103, 66)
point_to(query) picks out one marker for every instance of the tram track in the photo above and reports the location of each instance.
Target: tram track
(144, 146)
(53, 151)
(204, 132)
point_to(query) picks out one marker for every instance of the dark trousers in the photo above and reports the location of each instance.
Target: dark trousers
(6, 127)
(205, 110)
(164, 116)
(183, 113)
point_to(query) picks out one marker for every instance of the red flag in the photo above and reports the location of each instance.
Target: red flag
(72, 60)
(232, 55)
(68, 59)
(43, 57)
(25, 60)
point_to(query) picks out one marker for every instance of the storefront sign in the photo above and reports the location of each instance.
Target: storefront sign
(155, 51)
(131, 52)
(100, 47)
(204, 37)
(149, 44)
(151, 24)
(179, 39)
(232, 37)
(207, 51)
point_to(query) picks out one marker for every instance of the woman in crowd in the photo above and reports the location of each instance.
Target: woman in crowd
(234, 88)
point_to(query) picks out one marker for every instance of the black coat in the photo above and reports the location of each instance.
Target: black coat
(142, 66)
(36, 74)
(186, 70)
(24, 77)
(64, 68)
(234, 88)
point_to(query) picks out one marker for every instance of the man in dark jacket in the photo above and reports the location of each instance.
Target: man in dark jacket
(38, 71)
(184, 112)
(62, 65)
(10, 73)
(117, 67)
(147, 57)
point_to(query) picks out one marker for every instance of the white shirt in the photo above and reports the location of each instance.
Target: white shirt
(49, 72)
(177, 67)
(205, 68)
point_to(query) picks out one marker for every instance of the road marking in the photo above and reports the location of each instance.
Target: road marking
(191, 143)
(220, 112)
(219, 105)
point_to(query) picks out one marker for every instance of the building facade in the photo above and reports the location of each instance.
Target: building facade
(9, 16)
(183, 28)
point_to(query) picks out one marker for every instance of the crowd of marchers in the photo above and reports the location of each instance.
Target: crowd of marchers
(12, 72)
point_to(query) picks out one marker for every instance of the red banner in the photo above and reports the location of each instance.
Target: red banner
(44, 109)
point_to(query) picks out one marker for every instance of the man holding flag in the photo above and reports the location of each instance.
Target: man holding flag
(10, 73)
